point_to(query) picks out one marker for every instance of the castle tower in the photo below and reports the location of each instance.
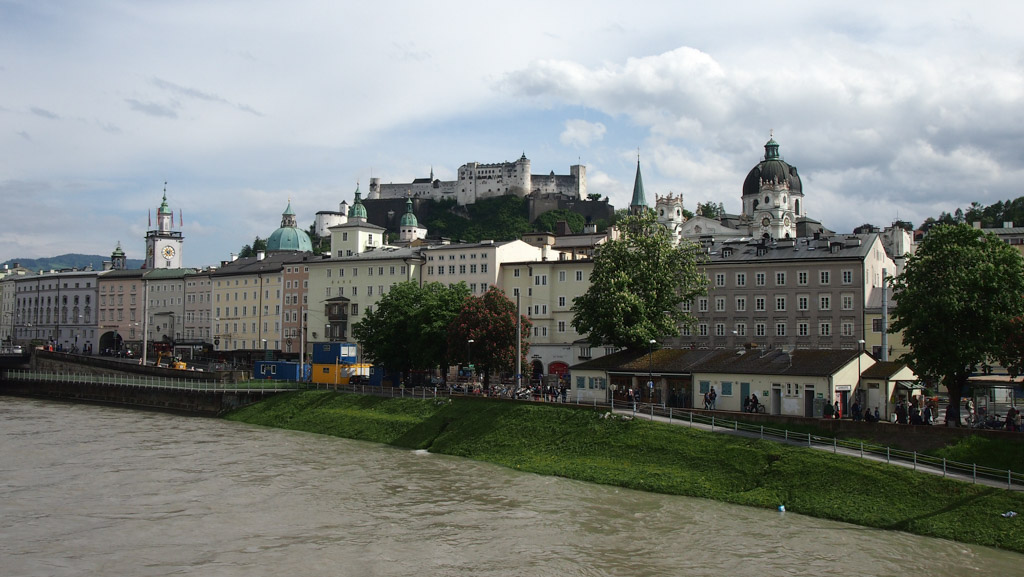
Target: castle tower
(163, 245)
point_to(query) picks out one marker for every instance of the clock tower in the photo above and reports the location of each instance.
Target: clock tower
(163, 245)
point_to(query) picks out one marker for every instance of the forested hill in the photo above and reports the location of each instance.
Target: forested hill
(67, 261)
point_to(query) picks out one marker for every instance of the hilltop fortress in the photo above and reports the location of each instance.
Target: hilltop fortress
(478, 181)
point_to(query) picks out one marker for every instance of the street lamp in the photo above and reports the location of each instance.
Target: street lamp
(650, 369)
(470, 357)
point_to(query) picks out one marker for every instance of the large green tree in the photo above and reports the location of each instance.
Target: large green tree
(490, 321)
(638, 286)
(408, 328)
(955, 303)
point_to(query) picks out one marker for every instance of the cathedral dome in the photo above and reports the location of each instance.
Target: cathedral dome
(771, 169)
(289, 237)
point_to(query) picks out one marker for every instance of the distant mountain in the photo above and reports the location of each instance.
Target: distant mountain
(66, 261)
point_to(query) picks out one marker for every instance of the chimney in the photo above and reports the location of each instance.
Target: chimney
(260, 255)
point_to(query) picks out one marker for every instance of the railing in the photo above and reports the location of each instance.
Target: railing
(128, 380)
(913, 459)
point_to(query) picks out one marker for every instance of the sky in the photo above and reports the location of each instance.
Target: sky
(890, 110)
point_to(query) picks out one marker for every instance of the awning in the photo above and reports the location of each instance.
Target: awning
(910, 385)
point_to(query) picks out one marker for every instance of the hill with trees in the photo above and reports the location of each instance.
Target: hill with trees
(68, 261)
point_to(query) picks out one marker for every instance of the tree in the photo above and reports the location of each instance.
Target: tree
(638, 286)
(955, 304)
(407, 329)
(490, 320)
(251, 250)
(549, 220)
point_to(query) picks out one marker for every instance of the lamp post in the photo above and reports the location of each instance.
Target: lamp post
(650, 369)
(470, 358)
(860, 353)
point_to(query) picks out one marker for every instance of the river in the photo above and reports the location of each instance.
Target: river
(92, 490)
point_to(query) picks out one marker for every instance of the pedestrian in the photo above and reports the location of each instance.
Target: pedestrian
(713, 397)
(837, 413)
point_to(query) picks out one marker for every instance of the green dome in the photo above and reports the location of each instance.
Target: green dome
(409, 218)
(357, 210)
(289, 238)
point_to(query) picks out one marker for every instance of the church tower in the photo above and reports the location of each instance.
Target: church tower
(669, 209)
(773, 197)
(163, 245)
(639, 202)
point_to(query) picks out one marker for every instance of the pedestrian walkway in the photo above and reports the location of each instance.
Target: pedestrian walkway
(725, 425)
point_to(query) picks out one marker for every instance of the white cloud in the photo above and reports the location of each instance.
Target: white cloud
(580, 133)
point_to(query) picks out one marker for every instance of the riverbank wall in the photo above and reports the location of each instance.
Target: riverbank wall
(209, 403)
(591, 445)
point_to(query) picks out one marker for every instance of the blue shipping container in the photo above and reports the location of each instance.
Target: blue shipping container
(281, 371)
(331, 353)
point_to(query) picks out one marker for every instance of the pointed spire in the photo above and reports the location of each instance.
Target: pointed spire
(639, 198)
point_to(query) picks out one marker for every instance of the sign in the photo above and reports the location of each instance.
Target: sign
(844, 387)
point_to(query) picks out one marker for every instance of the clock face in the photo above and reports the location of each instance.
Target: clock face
(168, 252)
(787, 222)
(766, 221)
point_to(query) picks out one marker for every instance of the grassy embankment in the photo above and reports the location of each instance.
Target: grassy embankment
(580, 444)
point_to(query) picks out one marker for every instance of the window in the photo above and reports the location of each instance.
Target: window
(741, 304)
(802, 329)
(825, 328)
(759, 279)
(847, 302)
(759, 329)
(561, 276)
(801, 278)
(741, 279)
(824, 303)
(741, 329)
(430, 270)
(720, 304)
(847, 277)
(369, 271)
(702, 304)
(719, 329)
(462, 269)
(726, 388)
(687, 306)
(561, 302)
(823, 277)
(561, 326)
(354, 307)
(780, 329)
(720, 279)
(780, 279)
(483, 268)
(847, 329)
(440, 269)
(780, 303)
(540, 280)
(801, 302)
(876, 325)
(451, 269)
(579, 276)
(702, 329)
(584, 352)
(759, 303)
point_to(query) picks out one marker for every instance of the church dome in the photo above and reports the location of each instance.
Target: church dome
(771, 169)
(409, 218)
(289, 237)
(357, 210)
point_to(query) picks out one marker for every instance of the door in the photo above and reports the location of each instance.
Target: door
(777, 400)
(744, 394)
(808, 402)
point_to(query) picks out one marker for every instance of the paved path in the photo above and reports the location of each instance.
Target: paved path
(802, 442)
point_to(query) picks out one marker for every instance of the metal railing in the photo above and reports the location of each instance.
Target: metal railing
(142, 381)
(912, 459)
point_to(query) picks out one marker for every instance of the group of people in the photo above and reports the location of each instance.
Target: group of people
(710, 398)
(750, 404)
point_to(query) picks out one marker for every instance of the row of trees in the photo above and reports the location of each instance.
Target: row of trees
(419, 328)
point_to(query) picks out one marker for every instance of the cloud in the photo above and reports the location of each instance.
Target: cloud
(580, 133)
(43, 113)
(153, 108)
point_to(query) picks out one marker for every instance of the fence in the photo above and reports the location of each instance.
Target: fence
(130, 380)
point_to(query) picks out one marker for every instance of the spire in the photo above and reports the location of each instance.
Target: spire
(639, 198)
